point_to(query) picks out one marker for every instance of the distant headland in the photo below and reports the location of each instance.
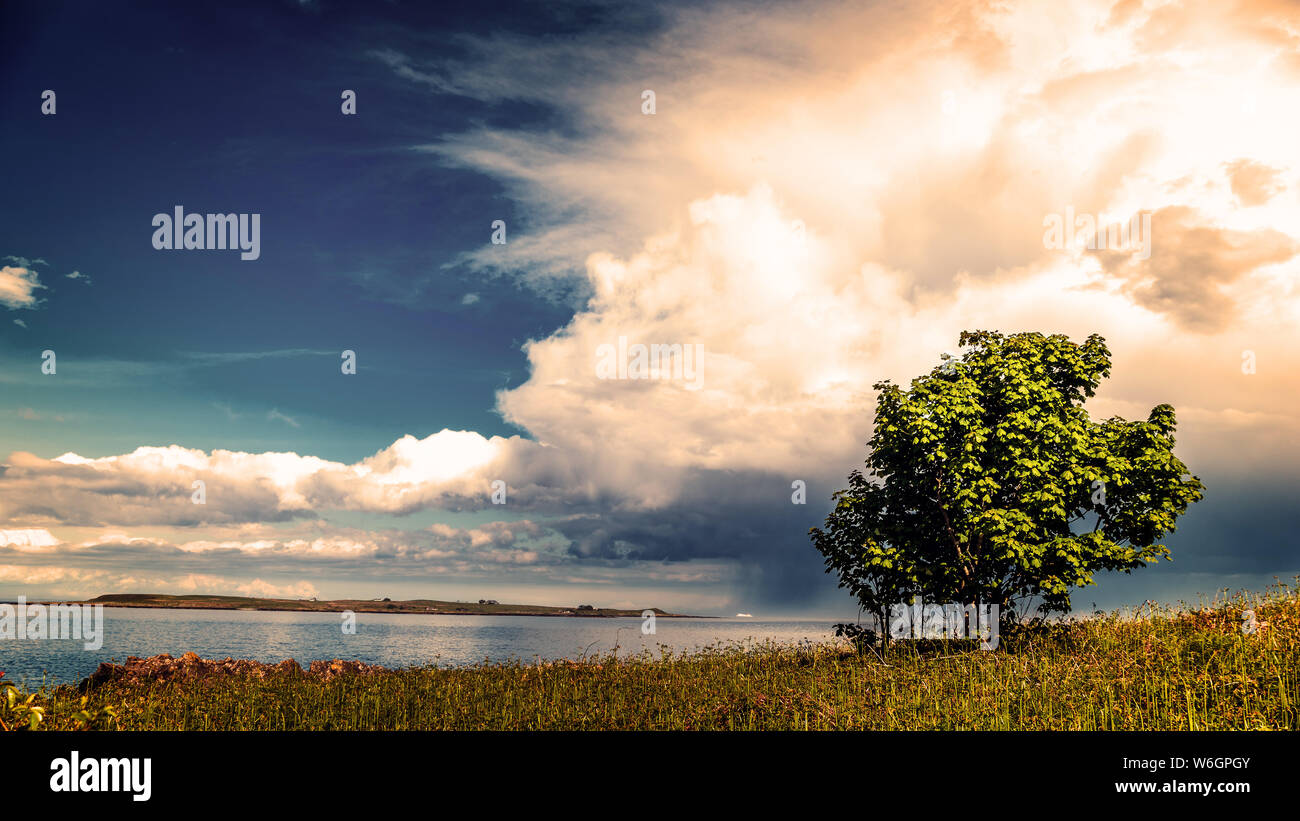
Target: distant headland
(486, 607)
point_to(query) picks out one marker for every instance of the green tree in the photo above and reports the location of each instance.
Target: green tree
(986, 481)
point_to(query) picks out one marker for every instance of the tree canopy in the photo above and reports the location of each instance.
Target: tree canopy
(987, 481)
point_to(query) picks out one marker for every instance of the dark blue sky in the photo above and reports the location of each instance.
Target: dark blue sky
(237, 109)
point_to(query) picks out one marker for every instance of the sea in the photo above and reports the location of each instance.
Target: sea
(389, 639)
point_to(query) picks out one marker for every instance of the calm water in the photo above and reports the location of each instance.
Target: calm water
(389, 639)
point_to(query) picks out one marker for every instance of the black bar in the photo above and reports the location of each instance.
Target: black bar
(568, 770)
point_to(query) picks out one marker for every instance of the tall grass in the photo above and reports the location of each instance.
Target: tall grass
(1192, 669)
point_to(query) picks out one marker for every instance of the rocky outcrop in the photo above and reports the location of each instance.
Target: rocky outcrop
(190, 668)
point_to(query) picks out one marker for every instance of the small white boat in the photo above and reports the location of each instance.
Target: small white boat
(744, 615)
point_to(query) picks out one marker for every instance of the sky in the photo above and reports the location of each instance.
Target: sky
(809, 197)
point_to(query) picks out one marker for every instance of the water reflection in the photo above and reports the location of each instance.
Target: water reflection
(393, 640)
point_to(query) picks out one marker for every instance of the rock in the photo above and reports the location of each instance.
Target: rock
(191, 667)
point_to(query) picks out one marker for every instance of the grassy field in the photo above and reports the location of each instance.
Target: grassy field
(1190, 670)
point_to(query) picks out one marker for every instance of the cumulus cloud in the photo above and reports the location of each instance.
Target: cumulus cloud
(155, 485)
(18, 287)
(1254, 183)
(1192, 275)
(77, 582)
(24, 261)
(32, 539)
(114, 559)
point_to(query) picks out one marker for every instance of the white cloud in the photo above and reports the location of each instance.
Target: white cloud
(18, 286)
(154, 484)
(75, 582)
(275, 415)
(28, 539)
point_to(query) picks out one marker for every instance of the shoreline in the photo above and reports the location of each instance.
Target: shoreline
(620, 615)
(418, 607)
